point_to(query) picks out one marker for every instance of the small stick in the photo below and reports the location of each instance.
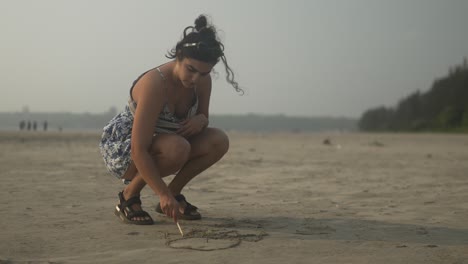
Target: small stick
(180, 229)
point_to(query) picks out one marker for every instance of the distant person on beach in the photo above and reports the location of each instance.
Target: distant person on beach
(34, 125)
(22, 125)
(163, 129)
(45, 124)
(29, 125)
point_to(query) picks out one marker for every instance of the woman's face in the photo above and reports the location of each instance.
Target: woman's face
(190, 71)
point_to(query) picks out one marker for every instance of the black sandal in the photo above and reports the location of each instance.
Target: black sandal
(190, 211)
(125, 212)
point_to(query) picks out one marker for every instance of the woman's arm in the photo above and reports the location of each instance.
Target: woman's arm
(200, 121)
(149, 94)
(204, 95)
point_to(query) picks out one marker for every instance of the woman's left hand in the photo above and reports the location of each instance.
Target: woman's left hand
(193, 126)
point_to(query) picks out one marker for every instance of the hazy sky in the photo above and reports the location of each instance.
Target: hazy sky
(306, 58)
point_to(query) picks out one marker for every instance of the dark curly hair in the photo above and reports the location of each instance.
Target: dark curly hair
(200, 42)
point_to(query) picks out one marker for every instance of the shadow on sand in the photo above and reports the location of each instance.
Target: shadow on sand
(344, 229)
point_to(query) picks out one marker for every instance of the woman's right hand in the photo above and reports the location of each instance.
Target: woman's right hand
(169, 206)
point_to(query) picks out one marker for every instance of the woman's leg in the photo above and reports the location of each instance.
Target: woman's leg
(169, 152)
(207, 148)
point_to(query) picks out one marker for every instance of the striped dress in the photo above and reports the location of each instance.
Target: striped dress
(115, 145)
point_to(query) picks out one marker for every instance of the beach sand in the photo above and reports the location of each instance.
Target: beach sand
(274, 198)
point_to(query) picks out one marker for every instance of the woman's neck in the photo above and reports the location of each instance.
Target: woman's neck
(175, 75)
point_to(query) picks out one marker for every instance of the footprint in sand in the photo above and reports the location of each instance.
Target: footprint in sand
(422, 231)
(314, 227)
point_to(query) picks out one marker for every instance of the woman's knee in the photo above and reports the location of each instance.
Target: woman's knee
(175, 149)
(219, 140)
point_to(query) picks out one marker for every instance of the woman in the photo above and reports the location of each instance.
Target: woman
(164, 128)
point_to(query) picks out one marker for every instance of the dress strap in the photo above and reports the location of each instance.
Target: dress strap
(163, 77)
(139, 77)
(160, 73)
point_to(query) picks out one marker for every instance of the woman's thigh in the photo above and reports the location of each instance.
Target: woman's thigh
(168, 151)
(210, 140)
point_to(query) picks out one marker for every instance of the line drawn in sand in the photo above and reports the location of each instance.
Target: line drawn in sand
(212, 239)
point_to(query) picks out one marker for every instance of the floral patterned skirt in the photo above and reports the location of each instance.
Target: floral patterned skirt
(115, 143)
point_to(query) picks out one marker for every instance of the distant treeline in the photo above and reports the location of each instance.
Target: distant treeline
(250, 122)
(443, 108)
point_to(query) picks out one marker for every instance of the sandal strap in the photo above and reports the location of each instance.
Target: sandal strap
(125, 207)
(133, 214)
(189, 208)
(181, 198)
(131, 201)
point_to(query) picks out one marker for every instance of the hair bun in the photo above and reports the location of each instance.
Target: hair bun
(200, 22)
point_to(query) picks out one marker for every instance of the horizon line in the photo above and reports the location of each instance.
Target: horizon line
(211, 114)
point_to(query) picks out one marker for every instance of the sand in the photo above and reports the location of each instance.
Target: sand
(274, 198)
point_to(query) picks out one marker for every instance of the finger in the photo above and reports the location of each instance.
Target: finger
(176, 211)
(174, 216)
(182, 133)
(168, 212)
(181, 129)
(185, 131)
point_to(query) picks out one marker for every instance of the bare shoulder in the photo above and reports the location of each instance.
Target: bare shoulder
(149, 95)
(151, 84)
